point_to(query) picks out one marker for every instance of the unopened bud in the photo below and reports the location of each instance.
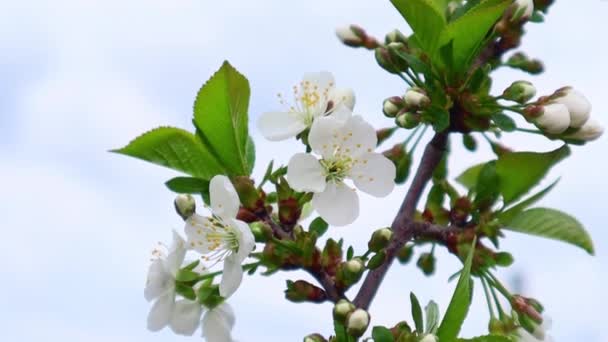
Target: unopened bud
(392, 106)
(384, 133)
(520, 92)
(469, 142)
(496, 326)
(426, 263)
(591, 130)
(342, 309)
(407, 120)
(314, 338)
(416, 98)
(503, 259)
(395, 36)
(261, 231)
(185, 206)
(523, 9)
(351, 35)
(380, 239)
(577, 104)
(384, 60)
(555, 119)
(357, 322)
(429, 338)
(349, 272)
(303, 291)
(405, 254)
(395, 50)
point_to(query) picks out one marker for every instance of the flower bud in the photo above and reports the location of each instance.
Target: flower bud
(185, 205)
(395, 36)
(376, 261)
(407, 120)
(261, 231)
(384, 60)
(303, 291)
(352, 35)
(520, 92)
(342, 309)
(523, 9)
(380, 239)
(357, 322)
(349, 272)
(577, 104)
(384, 133)
(426, 263)
(503, 259)
(469, 142)
(591, 130)
(429, 338)
(392, 106)
(314, 338)
(555, 118)
(405, 254)
(416, 97)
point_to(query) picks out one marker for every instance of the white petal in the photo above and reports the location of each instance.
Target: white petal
(196, 230)
(345, 97)
(231, 277)
(177, 253)
(330, 136)
(276, 126)
(186, 317)
(358, 137)
(338, 204)
(591, 130)
(158, 282)
(555, 118)
(246, 240)
(578, 106)
(324, 136)
(216, 326)
(341, 113)
(305, 173)
(160, 313)
(227, 314)
(225, 201)
(374, 174)
(322, 80)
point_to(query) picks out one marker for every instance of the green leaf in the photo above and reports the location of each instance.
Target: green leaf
(220, 114)
(319, 226)
(250, 153)
(417, 313)
(440, 118)
(186, 275)
(487, 186)
(185, 290)
(188, 185)
(427, 20)
(520, 171)
(508, 215)
(552, 224)
(415, 63)
(174, 148)
(459, 305)
(432, 317)
(504, 122)
(468, 178)
(382, 334)
(487, 338)
(471, 29)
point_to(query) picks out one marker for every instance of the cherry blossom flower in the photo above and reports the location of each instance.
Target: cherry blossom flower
(345, 144)
(555, 118)
(218, 323)
(578, 106)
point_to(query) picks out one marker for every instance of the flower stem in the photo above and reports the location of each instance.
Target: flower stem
(526, 130)
(488, 297)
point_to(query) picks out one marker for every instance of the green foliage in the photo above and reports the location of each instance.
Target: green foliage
(174, 148)
(220, 115)
(507, 216)
(504, 122)
(468, 178)
(432, 318)
(488, 338)
(382, 334)
(427, 20)
(553, 224)
(459, 305)
(318, 226)
(417, 313)
(487, 187)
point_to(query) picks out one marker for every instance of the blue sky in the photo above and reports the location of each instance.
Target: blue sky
(78, 78)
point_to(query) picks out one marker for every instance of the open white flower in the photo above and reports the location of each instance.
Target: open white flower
(578, 106)
(315, 96)
(222, 237)
(345, 144)
(160, 285)
(218, 323)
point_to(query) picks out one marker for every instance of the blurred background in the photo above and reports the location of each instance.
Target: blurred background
(80, 77)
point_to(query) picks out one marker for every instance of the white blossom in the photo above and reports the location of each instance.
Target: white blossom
(416, 98)
(525, 7)
(578, 106)
(218, 323)
(346, 150)
(221, 237)
(591, 130)
(555, 118)
(316, 96)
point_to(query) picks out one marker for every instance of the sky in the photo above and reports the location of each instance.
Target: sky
(80, 77)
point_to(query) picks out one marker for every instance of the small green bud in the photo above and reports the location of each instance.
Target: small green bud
(392, 106)
(395, 49)
(261, 231)
(503, 259)
(303, 291)
(185, 205)
(405, 254)
(384, 133)
(426, 263)
(357, 322)
(395, 36)
(404, 166)
(380, 239)
(407, 120)
(377, 260)
(383, 58)
(520, 92)
(342, 309)
(469, 142)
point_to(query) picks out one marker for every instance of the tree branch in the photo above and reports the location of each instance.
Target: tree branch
(403, 226)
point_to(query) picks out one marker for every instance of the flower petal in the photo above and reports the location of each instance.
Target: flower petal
(578, 106)
(160, 313)
(324, 136)
(158, 282)
(338, 204)
(343, 96)
(216, 326)
(196, 231)
(305, 173)
(358, 137)
(374, 174)
(342, 113)
(231, 277)
(225, 201)
(246, 240)
(323, 80)
(177, 253)
(186, 317)
(276, 126)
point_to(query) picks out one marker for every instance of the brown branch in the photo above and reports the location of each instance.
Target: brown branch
(403, 226)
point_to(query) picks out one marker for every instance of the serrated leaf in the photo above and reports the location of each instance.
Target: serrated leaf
(220, 114)
(487, 338)
(552, 224)
(459, 304)
(382, 334)
(468, 178)
(174, 148)
(416, 313)
(426, 19)
(520, 171)
(508, 215)
(319, 226)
